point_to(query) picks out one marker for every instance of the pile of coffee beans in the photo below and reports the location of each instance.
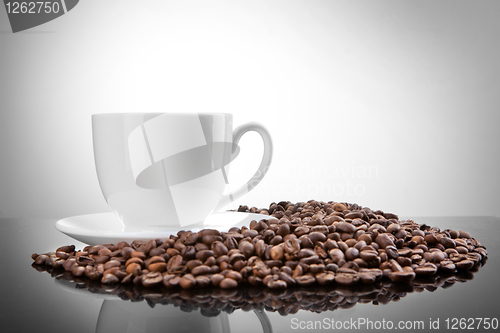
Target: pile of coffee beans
(212, 301)
(300, 244)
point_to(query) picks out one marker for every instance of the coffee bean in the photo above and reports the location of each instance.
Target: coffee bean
(111, 264)
(405, 261)
(317, 268)
(330, 244)
(78, 271)
(320, 251)
(393, 228)
(54, 261)
(209, 239)
(345, 227)
(406, 252)
(437, 256)
(66, 248)
(317, 237)
(41, 259)
(234, 275)
(320, 228)
(391, 216)
(392, 252)
(235, 257)
(337, 255)
(298, 271)
(310, 260)
(287, 277)
(342, 246)
(464, 264)
(191, 238)
(276, 240)
(283, 230)
(231, 243)
(277, 252)
(174, 263)
(204, 255)
(201, 269)
(300, 231)
(369, 276)
(464, 234)
(68, 265)
(173, 252)
(273, 263)
(151, 244)
(100, 259)
(367, 238)
(93, 273)
(210, 261)
(228, 283)
(157, 267)
(346, 279)
(152, 260)
(187, 281)
(447, 266)
(325, 278)
(134, 260)
(447, 242)
(351, 253)
(169, 280)
(339, 207)
(430, 239)
(134, 268)
(368, 255)
(59, 254)
(402, 276)
(426, 269)
(247, 248)
(202, 281)
(218, 248)
(138, 254)
(206, 232)
(122, 244)
(383, 240)
(152, 279)
(277, 284)
(109, 279)
(292, 246)
(304, 253)
(305, 280)
(261, 270)
(188, 252)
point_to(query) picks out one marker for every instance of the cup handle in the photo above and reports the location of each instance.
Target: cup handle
(264, 321)
(263, 167)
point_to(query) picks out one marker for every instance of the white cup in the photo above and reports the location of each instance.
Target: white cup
(169, 170)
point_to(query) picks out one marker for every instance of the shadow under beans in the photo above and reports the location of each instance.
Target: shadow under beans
(212, 301)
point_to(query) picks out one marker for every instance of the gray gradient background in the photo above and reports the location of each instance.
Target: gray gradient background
(390, 104)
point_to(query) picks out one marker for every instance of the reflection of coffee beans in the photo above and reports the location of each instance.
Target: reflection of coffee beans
(304, 244)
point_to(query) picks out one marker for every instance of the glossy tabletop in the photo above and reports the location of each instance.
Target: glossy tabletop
(46, 301)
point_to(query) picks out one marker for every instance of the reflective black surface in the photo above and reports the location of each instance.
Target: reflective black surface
(35, 301)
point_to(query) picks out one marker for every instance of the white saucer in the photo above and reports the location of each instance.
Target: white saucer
(106, 228)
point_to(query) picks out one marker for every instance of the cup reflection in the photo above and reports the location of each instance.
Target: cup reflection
(120, 316)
